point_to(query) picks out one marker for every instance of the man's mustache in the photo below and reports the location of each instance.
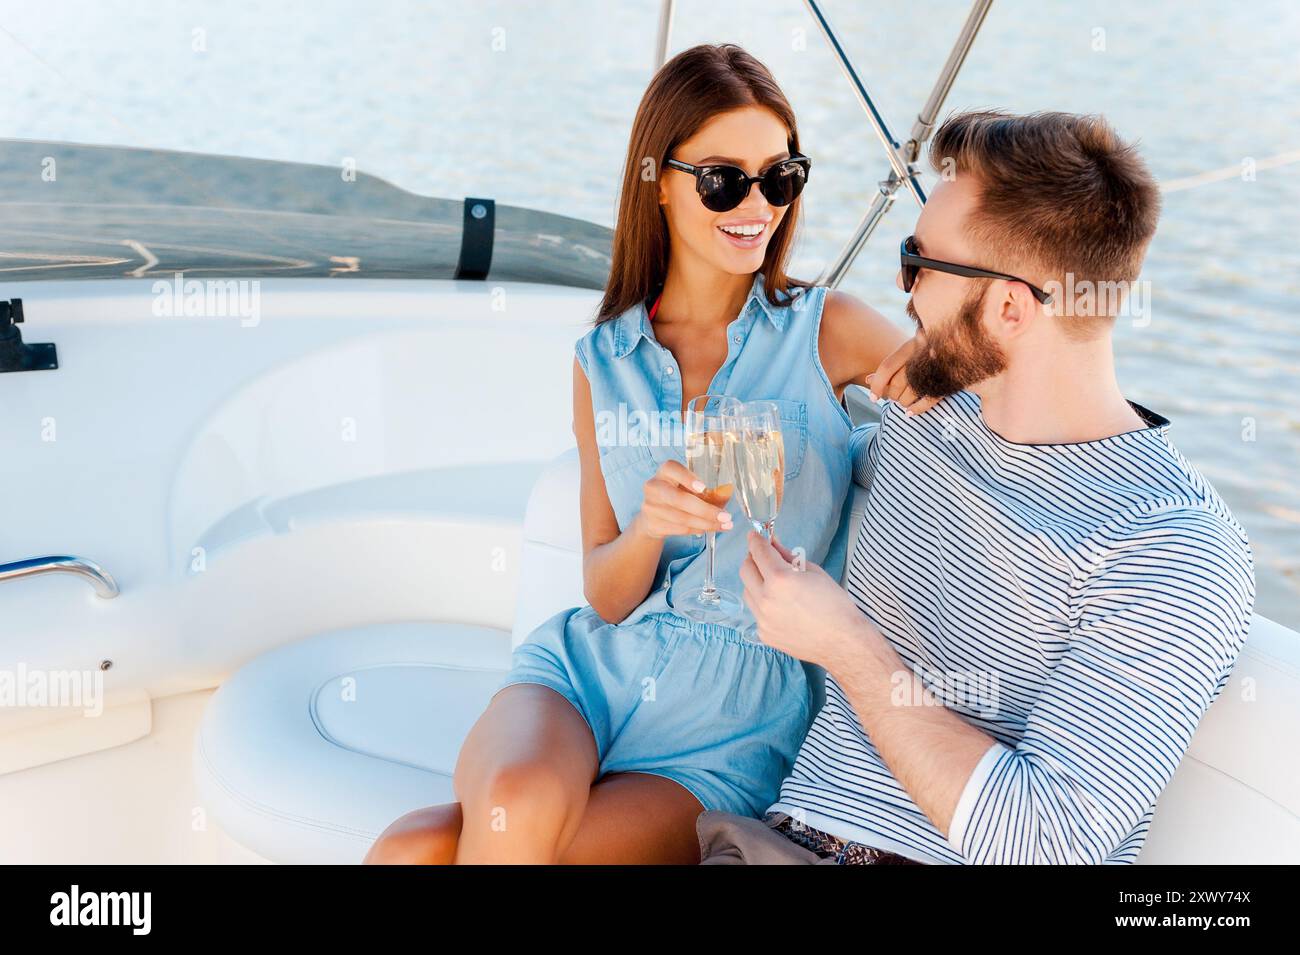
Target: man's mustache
(912, 314)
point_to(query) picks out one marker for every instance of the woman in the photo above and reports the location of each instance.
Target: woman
(622, 720)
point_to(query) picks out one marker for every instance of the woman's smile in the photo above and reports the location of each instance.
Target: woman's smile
(745, 233)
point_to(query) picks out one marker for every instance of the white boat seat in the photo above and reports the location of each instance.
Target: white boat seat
(310, 750)
(297, 772)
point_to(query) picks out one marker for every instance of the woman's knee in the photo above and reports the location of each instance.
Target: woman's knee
(531, 789)
(424, 837)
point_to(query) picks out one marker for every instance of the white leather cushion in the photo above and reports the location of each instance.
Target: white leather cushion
(550, 570)
(308, 752)
(1236, 794)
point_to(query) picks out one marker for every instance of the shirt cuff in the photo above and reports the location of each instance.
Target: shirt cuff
(970, 795)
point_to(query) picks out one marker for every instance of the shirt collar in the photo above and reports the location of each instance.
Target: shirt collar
(635, 324)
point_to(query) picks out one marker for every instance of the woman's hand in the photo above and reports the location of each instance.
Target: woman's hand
(671, 505)
(890, 380)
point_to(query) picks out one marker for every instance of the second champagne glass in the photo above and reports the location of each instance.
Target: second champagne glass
(760, 463)
(710, 456)
(760, 470)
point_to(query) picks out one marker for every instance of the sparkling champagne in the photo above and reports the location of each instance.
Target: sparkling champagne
(709, 455)
(760, 475)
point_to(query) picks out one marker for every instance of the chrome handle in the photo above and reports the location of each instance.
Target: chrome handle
(103, 582)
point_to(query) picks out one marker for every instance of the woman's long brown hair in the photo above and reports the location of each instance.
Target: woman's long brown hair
(691, 88)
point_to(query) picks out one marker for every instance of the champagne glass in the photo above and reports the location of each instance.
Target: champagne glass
(760, 469)
(710, 456)
(760, 463)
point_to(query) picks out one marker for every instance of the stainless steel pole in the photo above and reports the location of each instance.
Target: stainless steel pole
(665, 31)
(929, 115)
(900, 167)
(902, 170)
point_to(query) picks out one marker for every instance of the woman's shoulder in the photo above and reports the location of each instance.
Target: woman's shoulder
(841, 308)
(599, 341)
(849, 322)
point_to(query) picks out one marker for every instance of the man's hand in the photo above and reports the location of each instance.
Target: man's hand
(804, 612)
(890, 380)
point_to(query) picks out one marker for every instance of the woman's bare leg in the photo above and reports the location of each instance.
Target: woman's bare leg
(523, 778)
(530, 734)
(526, 767)
(630, 818)
(423, 837)
(636, 818)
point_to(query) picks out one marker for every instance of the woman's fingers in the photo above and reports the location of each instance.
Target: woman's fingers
(666, 522)
(669, 507)
(882, 381)
(677, 473)
(670, 495)
(921, 405)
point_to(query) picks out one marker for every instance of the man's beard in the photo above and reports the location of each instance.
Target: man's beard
(956, 357)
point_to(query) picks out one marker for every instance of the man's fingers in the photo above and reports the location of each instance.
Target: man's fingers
(752, 580)
(782, 549)
(765, 558)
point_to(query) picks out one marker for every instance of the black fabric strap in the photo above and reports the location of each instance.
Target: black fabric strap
(476, 239)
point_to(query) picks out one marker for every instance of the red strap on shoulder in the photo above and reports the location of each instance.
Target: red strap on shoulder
(655, 307)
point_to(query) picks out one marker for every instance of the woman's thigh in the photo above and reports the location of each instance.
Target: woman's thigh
(636, 818)
(523, 776)
(527, 723)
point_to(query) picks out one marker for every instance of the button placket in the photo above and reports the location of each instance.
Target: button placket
(671, 388)
(735, 336)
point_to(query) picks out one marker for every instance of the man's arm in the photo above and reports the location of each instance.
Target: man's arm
(1161, 621)
(862, 452)
(931, 751)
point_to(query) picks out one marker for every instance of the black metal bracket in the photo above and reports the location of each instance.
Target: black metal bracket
(476, 238)
(15, 355)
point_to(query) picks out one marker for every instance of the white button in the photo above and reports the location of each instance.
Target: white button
(736, 339)
(668, 369)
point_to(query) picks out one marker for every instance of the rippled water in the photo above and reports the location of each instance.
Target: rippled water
(531, 103)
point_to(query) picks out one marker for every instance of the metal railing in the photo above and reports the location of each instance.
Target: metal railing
(103, 582)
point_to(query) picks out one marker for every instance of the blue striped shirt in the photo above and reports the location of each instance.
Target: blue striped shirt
(1082, 604)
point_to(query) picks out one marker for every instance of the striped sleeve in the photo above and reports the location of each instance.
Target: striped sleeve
(1160, 620)
(862, 451)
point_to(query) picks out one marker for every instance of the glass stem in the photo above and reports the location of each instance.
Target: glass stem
(710, 591)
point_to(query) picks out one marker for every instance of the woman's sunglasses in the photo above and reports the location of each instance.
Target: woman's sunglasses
(912, 263)
(722, 188)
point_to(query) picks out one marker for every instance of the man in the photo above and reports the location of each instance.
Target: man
(1044, 597)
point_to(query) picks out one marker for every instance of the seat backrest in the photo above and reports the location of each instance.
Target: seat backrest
(1235, 796)
(550, 561)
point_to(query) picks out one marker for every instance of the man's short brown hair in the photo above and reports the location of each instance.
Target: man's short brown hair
(1059, 193)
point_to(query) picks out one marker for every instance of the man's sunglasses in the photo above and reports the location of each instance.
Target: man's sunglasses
(912, 263)
(722, 188)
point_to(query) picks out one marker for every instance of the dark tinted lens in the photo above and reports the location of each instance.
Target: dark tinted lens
(722, 188)
(909, 271)
(782, 183)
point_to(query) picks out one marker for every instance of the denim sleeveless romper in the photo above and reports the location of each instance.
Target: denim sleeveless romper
(698, 703)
